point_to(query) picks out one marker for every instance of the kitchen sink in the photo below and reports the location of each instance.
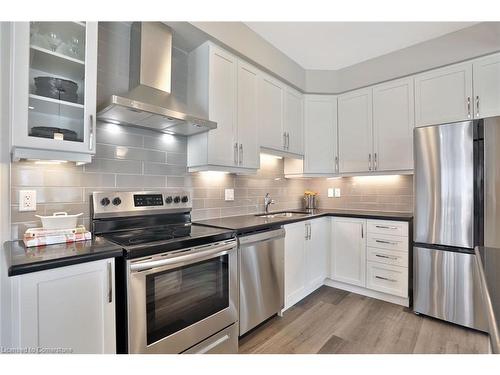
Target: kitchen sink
(283, 214)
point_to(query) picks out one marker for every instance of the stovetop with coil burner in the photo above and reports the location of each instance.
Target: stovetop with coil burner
(147, 223)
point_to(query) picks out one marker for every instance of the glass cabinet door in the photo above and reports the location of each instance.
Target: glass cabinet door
(57, 58)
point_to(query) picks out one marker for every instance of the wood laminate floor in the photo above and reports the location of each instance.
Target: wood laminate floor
(335, 321)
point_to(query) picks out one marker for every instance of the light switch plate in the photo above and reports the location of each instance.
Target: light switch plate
(330, 192)
(229, 194)
(27, 200)
(337, 192)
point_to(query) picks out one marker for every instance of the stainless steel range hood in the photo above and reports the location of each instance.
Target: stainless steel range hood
(150, 103)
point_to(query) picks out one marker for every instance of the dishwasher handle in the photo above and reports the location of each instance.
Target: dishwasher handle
(267, 235)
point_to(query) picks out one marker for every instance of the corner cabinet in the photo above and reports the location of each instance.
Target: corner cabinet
(53, 90)
(71, 308)
(224, 89)
(355, 131)
(306, 258)
(281, 117)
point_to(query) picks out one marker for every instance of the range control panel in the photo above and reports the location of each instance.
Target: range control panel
(128, 203)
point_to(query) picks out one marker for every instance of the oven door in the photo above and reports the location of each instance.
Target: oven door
(179, 299)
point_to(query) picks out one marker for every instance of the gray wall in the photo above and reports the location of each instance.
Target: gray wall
(240, 38)
(477, 40)
(138, 159)
(5, 329)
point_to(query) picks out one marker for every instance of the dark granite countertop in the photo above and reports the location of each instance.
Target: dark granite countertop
(252, 222)
(21, 259)
(489, 271)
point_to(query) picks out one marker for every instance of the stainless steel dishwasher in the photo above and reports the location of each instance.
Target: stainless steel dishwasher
(261, 265)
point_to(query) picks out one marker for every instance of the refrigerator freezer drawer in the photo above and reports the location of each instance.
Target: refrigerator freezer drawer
(446, 286)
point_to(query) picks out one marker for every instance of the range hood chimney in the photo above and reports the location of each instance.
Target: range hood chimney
(150, 103)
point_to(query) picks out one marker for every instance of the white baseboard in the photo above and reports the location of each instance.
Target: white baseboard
(368, 292)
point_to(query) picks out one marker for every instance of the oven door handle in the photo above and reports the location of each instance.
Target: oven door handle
(187, 258)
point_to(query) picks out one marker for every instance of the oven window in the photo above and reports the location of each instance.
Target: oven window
(183, 296)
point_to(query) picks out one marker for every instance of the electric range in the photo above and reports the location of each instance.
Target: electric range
(177, 283)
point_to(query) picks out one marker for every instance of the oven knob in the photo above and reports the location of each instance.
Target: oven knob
(117, 201)
(185, 199)
(177, 199)
(105, 201)
(168, 200)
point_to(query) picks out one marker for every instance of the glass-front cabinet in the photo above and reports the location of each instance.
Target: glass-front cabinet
(53, 88)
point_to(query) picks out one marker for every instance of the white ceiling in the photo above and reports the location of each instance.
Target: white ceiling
(335, 45)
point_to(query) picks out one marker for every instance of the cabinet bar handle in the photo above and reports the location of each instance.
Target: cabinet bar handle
(375, 162)
(284, 140)
(241, 153)
(386, 257)
(385, 278)
(369, 162)
(235, 154)
(387, 242)
(337, 164)
(468, 106)
(110, 283)
(385, 227)
(362, 232)
(287, 140)
(307, 231)
(91, 133)
(477, 105)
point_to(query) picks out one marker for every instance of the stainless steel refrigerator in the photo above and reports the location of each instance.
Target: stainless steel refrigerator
(457, 206)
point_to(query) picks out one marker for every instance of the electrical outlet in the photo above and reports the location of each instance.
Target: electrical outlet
(229, 194)
(27, 200)
(330, 192)
(337, 192)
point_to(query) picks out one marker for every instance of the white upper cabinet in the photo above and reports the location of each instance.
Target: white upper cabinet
(348, 255)
(355, 131)
(444, 95)
(487, 86)
(393, 123)
(53, 89)
(271, 110)
(294, 121)
(248, 151)
(320, 136)
(222, 107)
(224, 89)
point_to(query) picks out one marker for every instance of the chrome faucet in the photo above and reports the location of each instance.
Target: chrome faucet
(267, 202)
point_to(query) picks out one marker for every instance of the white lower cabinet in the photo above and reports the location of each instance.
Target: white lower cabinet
(348, 261)
(347, 253)
(306, 258)
(370, 257)
(69, 308)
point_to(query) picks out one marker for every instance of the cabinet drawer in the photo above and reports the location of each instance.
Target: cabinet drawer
(394, 228)
(387, 279)
(395, 258)
(384, 241)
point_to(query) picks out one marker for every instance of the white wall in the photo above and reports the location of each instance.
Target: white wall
(4, 185)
